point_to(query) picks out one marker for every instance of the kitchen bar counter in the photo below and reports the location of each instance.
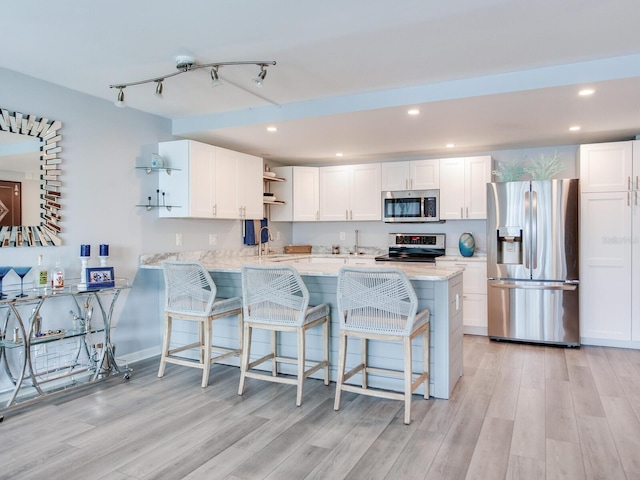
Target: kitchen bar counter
(438, 289)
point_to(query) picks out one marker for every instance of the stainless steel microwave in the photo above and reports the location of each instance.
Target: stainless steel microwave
(411, 206)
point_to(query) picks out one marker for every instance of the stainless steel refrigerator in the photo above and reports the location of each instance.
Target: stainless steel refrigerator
(532, 261)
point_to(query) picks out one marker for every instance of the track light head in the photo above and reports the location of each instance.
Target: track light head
(258, 80)
(159, 88)
(215, 79)
(120, 98)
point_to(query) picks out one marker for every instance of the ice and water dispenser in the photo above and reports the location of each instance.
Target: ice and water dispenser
(510, 245)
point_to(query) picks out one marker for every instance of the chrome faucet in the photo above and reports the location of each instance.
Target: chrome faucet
(260, 244)
(355, 250)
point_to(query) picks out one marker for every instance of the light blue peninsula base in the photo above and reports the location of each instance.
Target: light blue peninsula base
(438, 288)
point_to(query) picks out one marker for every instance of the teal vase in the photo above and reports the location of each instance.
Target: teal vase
(466, 244)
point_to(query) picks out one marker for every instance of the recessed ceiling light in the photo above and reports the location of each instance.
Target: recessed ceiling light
(272, 129)
(414, 111)
(450, 145)
(575, 128)
(586, 92)
(339, 154)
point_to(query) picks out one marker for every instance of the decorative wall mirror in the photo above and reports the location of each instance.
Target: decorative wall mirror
(29, 143)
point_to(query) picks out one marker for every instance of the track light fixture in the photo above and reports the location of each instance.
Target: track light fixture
(187, 64)
(120, 99)
(258, 80)
(215, 79)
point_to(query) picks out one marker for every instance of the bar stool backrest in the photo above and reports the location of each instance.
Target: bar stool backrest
(189, 289)
(274, 294)
(376, 300)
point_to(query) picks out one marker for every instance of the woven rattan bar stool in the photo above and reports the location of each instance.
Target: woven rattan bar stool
(190, 294)
(380, 304)
(276, 299)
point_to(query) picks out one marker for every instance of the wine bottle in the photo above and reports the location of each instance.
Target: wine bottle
(42, 273)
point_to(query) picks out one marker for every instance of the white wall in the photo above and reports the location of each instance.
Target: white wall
(101, 146)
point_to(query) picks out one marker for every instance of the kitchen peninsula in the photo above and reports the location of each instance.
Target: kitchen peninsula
(438, 288)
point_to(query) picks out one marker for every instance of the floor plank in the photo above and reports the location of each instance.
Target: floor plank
(519, 412)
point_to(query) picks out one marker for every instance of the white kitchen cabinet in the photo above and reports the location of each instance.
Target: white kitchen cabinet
(609, 250)
(474, 293)
(210, 182)
(190, 184)
(609, 167)
(463, 187)
(350, 192)
(301, 193)
(413, 175)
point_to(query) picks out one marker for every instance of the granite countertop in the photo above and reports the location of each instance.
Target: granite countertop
(305, 264)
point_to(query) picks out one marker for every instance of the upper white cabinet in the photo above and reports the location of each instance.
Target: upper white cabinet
(211, 182)
(609, 249)
(350, 192)
(463, 187)
(301, 193)
(413, 175)
(609, 167)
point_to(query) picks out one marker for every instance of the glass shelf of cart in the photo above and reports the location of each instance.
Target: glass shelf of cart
(158, 169)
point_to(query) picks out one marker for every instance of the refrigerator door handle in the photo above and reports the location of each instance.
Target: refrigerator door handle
(534, 229)
(527, 227)
(564, 286)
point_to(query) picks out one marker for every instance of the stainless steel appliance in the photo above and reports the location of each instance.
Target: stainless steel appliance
(411, 206)
(414, 247)
(532, 261)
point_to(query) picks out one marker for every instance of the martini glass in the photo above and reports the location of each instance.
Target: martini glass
(21, 272)
(3, 272)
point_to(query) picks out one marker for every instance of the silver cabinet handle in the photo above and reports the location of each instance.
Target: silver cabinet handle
(637, 183)
(467, 208)
(317, 214)
(215, 210)
(461, 214)
(406, 183)
(346, 214)
(628, 199)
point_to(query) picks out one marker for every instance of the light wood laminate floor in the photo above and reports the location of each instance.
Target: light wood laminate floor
(519, 412)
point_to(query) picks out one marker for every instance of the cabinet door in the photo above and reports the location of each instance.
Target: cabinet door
(606, 167)
(334, 193)
(605, 266)
(452, 188)
(226, 184)
(425, 174)
(250, 186)
(395, 176)
(477, 175)
(306, 194)
(201, 180)
(365, 199)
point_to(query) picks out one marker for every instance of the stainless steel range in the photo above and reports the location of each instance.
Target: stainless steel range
(414, 247)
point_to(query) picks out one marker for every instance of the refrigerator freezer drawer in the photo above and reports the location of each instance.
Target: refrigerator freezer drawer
(534, 312)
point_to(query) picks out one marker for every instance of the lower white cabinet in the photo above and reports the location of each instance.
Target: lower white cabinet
(474, 293)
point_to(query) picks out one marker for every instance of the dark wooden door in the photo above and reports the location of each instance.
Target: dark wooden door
(10, 203)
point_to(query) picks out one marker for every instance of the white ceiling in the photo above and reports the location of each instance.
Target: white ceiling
(485, 74)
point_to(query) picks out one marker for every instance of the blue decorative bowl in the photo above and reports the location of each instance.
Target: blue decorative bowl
(466, 244)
